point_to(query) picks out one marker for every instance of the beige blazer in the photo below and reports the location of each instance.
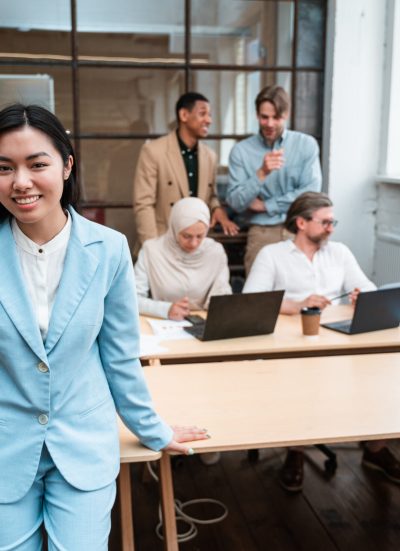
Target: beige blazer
(161, 180)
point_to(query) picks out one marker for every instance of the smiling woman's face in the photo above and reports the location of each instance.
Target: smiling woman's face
(32, 175)
(191, 238)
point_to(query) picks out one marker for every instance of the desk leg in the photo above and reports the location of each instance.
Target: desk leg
(167, 504)
(125, 503)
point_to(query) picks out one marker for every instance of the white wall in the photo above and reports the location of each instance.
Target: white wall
(352, 118)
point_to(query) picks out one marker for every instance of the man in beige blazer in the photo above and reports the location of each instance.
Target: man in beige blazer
(174, 166)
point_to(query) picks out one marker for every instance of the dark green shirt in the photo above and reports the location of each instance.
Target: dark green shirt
(190, 160)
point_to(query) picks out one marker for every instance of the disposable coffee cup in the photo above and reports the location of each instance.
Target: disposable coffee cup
(310, 318)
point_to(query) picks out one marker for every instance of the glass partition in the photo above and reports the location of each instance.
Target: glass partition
(311, 33)
(242, 32)
(35, 30)
(113, 71)
(131, 30)
(138, 101)
(47, 85)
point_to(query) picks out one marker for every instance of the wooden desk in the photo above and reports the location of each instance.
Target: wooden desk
(259, 404)
(286, 342)
(131, 451)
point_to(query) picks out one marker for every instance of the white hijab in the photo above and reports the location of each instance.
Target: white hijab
(174, 273)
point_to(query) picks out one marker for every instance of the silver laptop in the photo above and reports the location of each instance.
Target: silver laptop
(240, 315)
(374, 310)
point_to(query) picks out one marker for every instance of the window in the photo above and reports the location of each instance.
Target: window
(118, 68)
(390, 158)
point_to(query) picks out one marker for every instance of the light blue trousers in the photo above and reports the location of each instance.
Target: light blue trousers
(74, 520)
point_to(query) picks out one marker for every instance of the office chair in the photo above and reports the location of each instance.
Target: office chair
(330, 463)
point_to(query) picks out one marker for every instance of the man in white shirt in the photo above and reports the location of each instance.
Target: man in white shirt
(313, 270)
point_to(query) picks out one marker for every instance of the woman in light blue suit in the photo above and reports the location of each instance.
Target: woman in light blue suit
(68, 348)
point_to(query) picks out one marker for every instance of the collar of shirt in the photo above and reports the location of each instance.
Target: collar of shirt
(293, 248)
(29, 246)
(184, 148)
(277, 143)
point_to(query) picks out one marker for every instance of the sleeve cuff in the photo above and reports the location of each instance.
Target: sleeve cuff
(164, 309)
(272, 206)
(214, 204)
(165, 436)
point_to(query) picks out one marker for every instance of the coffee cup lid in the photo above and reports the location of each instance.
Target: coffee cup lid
(311, 311)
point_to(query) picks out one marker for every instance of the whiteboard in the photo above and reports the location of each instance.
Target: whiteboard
(27, 89)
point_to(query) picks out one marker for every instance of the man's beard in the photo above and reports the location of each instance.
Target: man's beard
(275, 134)
(319, 239)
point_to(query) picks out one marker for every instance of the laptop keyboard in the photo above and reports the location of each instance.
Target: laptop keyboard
(344, 325)
(196, 330)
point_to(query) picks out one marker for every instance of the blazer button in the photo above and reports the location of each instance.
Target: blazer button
(171, 204)
(42, 367)
(210, 185)
(170, 183)
(43, 419)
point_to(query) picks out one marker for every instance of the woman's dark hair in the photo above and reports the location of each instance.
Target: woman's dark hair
(17, 116)
(304, 207)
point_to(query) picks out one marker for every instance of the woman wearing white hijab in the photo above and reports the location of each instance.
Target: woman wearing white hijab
(183, 268)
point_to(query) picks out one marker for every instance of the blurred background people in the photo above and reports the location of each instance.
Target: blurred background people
(180, 270)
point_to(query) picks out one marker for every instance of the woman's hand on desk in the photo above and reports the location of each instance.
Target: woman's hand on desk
(185, 434)
(179, 309)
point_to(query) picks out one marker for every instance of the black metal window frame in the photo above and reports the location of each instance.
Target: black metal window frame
(187, 67)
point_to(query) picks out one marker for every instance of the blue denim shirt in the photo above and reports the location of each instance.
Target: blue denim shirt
(301, 172)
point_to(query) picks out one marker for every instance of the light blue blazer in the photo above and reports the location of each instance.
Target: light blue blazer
(91, 352)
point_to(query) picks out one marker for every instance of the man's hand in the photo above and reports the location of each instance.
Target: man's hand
(291, 307)
(315, 301)
(179, 309)
(257, 205)
(185, 434)
(219, 216)
(354, 296)
(271, 161)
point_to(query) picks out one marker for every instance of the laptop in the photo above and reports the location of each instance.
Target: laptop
(374, 310)
(240, 315)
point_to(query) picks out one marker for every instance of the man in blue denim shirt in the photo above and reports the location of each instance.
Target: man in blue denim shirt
(269, 170)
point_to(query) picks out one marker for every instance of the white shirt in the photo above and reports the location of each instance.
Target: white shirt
(148, 306)
(42, 267)
(332, 271)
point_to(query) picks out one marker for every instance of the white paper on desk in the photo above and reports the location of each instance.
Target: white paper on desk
(168, 330)
(150, 345)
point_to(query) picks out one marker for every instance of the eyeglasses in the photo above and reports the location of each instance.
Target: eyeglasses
(325, 223)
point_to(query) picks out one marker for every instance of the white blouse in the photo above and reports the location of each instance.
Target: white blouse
(147, 305)
(42, 267)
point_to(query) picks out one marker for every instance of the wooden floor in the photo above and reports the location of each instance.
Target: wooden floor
(356, 510)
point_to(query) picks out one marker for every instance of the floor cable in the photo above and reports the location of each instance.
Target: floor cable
(182, 516)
